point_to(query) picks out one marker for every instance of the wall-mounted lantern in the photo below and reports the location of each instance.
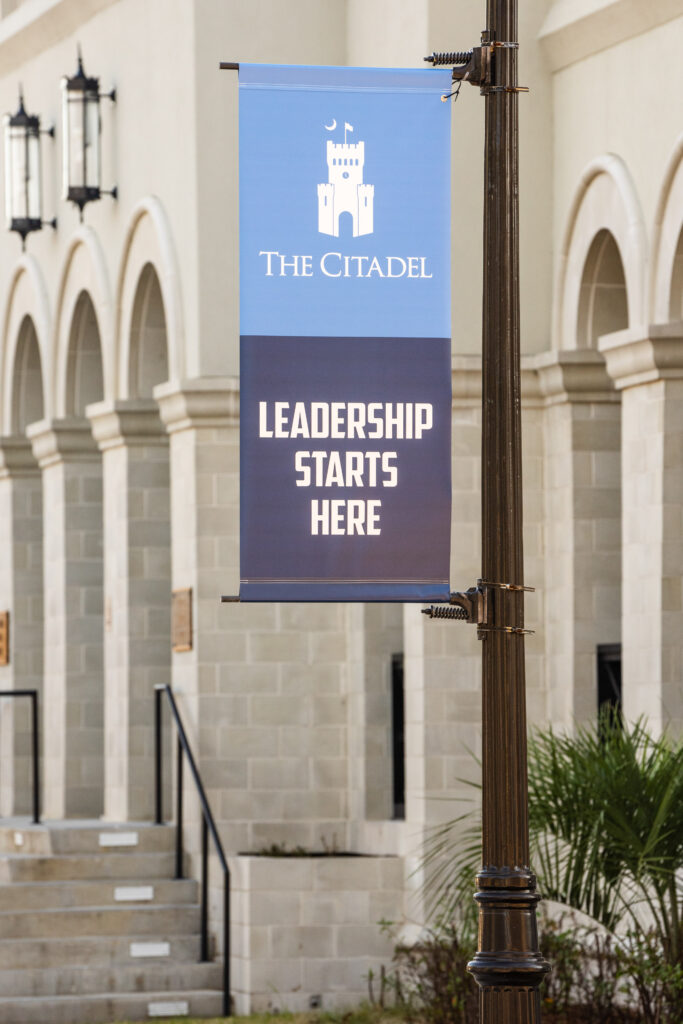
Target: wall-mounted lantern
(82, 129)
(23, 185)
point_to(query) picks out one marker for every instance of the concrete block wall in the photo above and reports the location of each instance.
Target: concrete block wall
(582, 554)
(264, 688)
(309, 928)
(375, 635)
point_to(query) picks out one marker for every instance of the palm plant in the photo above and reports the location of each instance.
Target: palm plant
(606, 826)
(606, 832)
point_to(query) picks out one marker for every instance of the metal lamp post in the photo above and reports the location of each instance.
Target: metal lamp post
(23, 184)
(507, 966)
(82, 131)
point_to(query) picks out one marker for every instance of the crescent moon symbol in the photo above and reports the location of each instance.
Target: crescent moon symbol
(331, 127)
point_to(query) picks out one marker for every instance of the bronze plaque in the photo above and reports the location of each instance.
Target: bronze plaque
(181, 619)
(4, 638)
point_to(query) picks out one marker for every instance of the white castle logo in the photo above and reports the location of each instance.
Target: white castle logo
(345, 191)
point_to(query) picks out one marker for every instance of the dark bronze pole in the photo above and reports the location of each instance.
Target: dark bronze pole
(507, 966)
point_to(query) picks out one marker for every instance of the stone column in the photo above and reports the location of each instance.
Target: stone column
(137, 596)
(648, 370)
(72, 580)
(263, 689)
(583, 544)
(21, 594)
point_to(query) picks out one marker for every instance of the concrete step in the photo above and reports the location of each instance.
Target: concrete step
(98, 1009)
(153, 976)
(98, 838)
(97, 951)
(23, 868)
(18, 836)
(23, 838)
(138, 892)
(76, 922)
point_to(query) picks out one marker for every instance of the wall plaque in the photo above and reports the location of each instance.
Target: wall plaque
(181, 619)
(4, 638)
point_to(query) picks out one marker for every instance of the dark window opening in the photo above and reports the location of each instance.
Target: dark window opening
(609, 680)
(398, 746)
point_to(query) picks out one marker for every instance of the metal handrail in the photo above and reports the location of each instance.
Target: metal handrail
(33, 694)
(208, 828)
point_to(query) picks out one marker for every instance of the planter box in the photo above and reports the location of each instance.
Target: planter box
(305, 930)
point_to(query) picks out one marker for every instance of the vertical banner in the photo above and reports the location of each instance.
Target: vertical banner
(345, 334)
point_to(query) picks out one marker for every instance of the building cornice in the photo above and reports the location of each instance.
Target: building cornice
(467, 382)
(634, 357)
(16, 457)
(38, 25)
(133, 422)
(574, 29)
(203, 402)
(575, 376)
(62, 440)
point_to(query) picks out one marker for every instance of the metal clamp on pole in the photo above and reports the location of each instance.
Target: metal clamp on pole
(467, 606)
(473, 66)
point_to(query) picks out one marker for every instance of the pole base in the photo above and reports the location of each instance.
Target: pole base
(508, 966)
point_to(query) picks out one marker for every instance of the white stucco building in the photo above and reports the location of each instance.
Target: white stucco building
(119, 416)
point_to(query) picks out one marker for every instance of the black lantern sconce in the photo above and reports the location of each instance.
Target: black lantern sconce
(23, 184)
(82, 129)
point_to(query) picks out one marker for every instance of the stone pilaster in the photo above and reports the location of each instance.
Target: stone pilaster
(137, 596)
(263, 688)
(21, 594)
(72, 579)
(583, 515)
(648, 370)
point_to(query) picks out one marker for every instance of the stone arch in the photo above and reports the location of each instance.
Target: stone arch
(148, 248)
(27, 298)
(666, 285)
(28, 405)
(148, 342)
(605, 201)
(84, 273)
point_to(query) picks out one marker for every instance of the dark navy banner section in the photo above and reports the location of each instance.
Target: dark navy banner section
(345, 323)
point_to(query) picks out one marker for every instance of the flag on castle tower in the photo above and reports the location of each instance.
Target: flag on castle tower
(348, 127)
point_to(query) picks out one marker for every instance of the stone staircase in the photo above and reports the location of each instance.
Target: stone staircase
(93, 927)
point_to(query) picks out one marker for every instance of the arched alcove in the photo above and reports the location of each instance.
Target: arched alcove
(84, 378)
(602, 264)
(148, 364)
(676, 291)
(603, 297)
(27, 384)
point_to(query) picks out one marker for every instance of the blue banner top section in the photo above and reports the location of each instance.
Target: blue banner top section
(344, 202)
(302, 76)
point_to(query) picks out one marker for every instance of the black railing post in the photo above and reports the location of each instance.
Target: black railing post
(204, 955)
(227, 1008)
(36, 756)
(208, 828)
(179, 815)
(158, 810)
